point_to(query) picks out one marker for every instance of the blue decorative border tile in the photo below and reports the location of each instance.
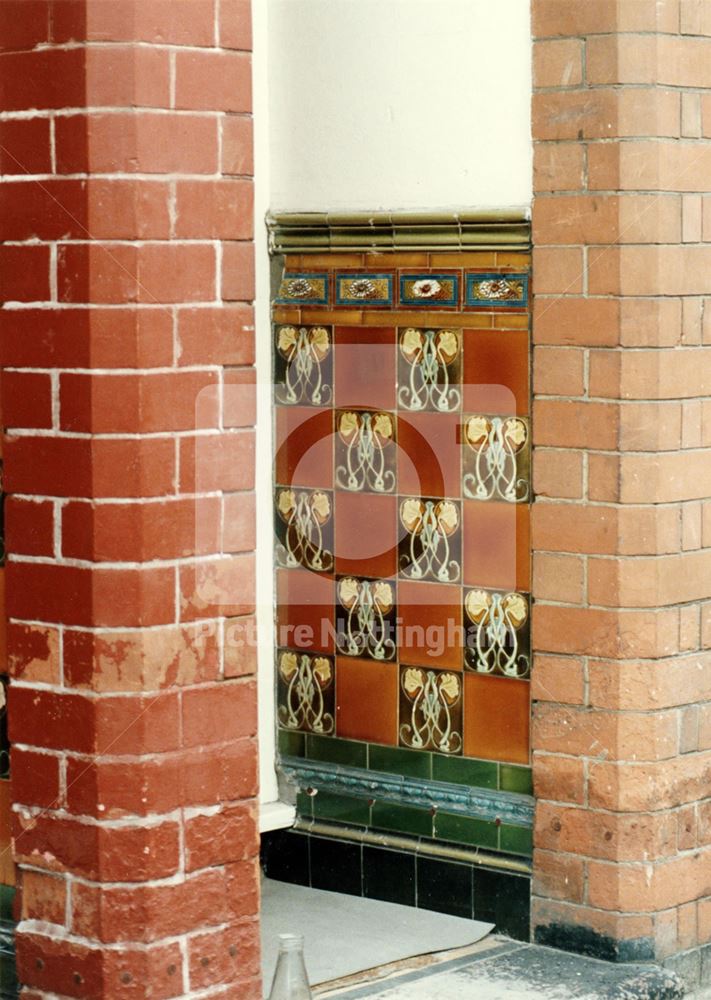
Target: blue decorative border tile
(434, 291)
(303, 289)
(497, 291)
(364, 289)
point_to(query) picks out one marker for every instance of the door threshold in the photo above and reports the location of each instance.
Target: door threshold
(390, 973)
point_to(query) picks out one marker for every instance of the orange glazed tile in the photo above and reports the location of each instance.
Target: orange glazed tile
(365, 367)
(304, 446)
(430, 624)
(497, 714)
(496, 545)
(305, 610)
(366, 534)
(429, 454)
(366, 700)
(495, 378)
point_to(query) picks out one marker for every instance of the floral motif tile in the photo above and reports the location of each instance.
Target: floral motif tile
(366, 617)
(430, 710)
(498, 632)
(306, 692)
(401, 511)
(430, 546)
(429, 370)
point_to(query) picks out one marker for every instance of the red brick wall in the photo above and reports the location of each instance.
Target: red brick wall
(126, 344)
(622, 526)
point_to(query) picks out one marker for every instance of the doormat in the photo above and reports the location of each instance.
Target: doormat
(344, 935)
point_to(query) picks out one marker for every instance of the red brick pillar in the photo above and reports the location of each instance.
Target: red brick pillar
(126, 338)
(622, 533)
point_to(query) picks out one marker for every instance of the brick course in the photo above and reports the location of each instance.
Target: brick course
(128, 408)
(621, 468)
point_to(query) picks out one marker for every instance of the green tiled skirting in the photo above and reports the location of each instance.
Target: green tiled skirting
(379, 799)
(409, 763)
(392, 817)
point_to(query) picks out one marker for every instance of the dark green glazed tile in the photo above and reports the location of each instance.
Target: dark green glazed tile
(7, 895)
(410, 763)
(465, 830)
(465, 771)
(517, 840)
(336, 751)
(291, 744)
(305, 805)
(403, 819)
(516, 779)
(341, 808)
(389, 875)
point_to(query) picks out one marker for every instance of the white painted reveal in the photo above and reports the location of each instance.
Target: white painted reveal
(399, 104)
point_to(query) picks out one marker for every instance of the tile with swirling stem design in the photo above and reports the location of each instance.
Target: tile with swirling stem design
(303, 365)
(496, 465)
(365, 618)
(304, 529)
(430, 710)
(429, 370)
(306, 692)
(365, 451)
(431, 546)
(497, 633)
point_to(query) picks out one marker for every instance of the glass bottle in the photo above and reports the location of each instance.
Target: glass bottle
(290, 980)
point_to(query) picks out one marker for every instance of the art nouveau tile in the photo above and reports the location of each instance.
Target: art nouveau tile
(365, 367)
(367, 700)
(433, 290)
(429, 369)
(430, 629)
(496, 718)
(366, 541)
(429, 454)
(360, 289)
(303, 524)
(497, 632)
(301, 288)
(430, 542)
(366, 618)
(303, 365)
(365, 457)
(430, 709)
(496, 458)
(494, 290)
(306, 692)
(305, 618)
(496, 371)
(303, 447)
(496, 545)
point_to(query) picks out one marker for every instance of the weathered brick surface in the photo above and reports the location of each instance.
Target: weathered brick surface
(622, 523)
(128, 409)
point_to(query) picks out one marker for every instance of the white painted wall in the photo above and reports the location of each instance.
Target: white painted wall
(399, 104)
